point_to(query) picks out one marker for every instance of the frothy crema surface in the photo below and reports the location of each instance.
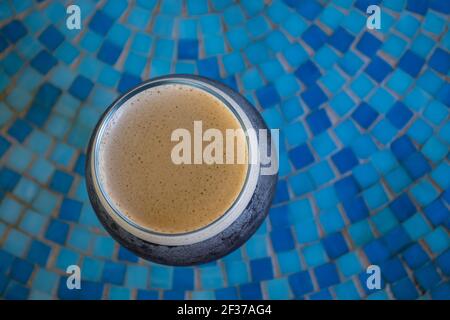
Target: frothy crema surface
(136, 170)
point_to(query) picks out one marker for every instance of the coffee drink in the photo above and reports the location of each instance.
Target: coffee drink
(136, 167)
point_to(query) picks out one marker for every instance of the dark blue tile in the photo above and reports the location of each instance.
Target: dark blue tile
(91, 290)
(443, 94)
(402, 207)
(109, 52)
(368, 44)
(43, 62)
(326, 275)
(404, 290)
(365, 115)
(416, 165)
(8, 179)
(356, 209)
(397, 239)
(443, 262)
(188, 49)
(101, 23)
(3, 44)
(335, 245)
(402, 147)
(314, 37)
(262, 269)
(65, 293)
(6, 260)
(427, 276)
(14, 30)
(173, 295)
(21, 270)
(57, 231)
(227, 294)
(346, 188)
(301, 156)
(345, 160)
(183, 278)
(437, 212)
(47, 95)
(80, 164)
(439, 5)
(70, 210)
(61, 182)
(250, 291)
(399, 115)
(281, 192)
(442, 291)
(376, 251)
(38, 252)
(308, 73)
(411, 63)
(147, 294)
(282, 240)
(417, 6)
(393, 270)
(415, 256)
(279, 216)
(17, 292)
(208, 68)
(126, 255)
(81, 87)
(20, 130)
(314, 96)
(309, 9)
(300, 283)
(378, 69)
(113, 273)
(341, 39)
(318, 121)
(440, 61)
(4, 146)
(364, 4)
(4, 281)
(51, 38)
(37, 114)
(321, 295)
(127, 81)
(267, 96)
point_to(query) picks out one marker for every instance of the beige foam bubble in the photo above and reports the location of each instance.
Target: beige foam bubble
(137, 172)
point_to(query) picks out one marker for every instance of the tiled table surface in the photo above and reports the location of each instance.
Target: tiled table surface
(365, 175)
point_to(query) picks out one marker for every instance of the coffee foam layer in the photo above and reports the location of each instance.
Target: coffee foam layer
(136, 170)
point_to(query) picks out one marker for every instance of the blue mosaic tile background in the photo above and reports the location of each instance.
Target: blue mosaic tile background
(364, 176)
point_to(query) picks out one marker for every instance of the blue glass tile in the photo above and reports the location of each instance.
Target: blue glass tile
(250, 291)
(51, 38)
(335, 245)
(437, 240)
(183, 278)
(113, 273)
(331, 220)
(314, 37)
(326, 275)
(404, 289)
(43, 62)
(439, 61)
(294, 25)
(137, 276)
(378, 69)
(57, 231)
(14, 30)
(350, 63)
(341, 39)
(282, 240)
(109, 52)
(261, 269)
(100, 23)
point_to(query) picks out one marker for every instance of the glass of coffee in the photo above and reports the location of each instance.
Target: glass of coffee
(174, 170)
